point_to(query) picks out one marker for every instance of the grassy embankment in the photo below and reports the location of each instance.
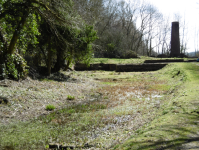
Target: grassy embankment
(130, 61)
(151, 109)
(178, 126)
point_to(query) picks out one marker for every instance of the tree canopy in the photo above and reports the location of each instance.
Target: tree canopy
(52, 27)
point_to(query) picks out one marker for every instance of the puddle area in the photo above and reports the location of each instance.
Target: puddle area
(140, 95)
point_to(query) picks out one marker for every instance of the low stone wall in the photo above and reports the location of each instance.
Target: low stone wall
(105, 67)
(139, 67)
(193, 60)
(164, 60)
(121, 68)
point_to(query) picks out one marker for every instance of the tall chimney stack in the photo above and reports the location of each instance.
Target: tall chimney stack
(175, 40)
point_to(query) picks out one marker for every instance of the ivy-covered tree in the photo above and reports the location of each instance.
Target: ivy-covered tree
(18, 27)
(21, 24)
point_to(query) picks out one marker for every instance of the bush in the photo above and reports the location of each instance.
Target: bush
(129, 54)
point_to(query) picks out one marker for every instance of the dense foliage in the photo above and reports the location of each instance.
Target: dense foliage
(49, 32)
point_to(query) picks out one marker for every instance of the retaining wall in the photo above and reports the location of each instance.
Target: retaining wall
(121, 68)
(105, 67)
(139, 67)
(164, 60)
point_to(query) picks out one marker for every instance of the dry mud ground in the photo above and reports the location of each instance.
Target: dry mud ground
(108, 108)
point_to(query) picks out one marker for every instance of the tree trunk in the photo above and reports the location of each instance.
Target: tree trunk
(49, 56)
(16, 33)
(150, 49)
(60, 60)
(67, 65)
(138, 44)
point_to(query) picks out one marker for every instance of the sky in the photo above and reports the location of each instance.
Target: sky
(188, 9)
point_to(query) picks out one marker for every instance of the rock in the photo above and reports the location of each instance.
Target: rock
(66, 147)
(54, 146)
(4, 85)
(58, 146)
(88, 145)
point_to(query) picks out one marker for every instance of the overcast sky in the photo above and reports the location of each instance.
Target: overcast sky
(189, 9)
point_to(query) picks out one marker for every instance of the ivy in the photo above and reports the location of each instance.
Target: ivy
(15, 67)
(11, 69)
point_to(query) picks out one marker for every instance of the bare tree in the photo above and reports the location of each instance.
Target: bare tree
(183, 32)
(154, 20)
(196, 39)
(122, 26)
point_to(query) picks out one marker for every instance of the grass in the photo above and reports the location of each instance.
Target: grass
(128, 107)
(139, 60)
(108, 83)
(50, 107)
(69, 97)
(176, 123)
(57, 126)
(116, 61)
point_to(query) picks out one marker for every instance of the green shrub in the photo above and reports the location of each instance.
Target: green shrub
(129, 54)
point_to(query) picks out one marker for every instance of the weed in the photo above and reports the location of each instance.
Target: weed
(47, 146)
(80, 97)
(70, 111)
(165, 112)
(50, 107)
(117, 146)
(139, 131)
(69, 97)
(107, 83)
(184, 110)
(105, 97)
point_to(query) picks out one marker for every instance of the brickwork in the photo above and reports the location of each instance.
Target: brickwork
(175, 40)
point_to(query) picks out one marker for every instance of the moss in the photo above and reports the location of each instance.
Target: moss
(176, 121)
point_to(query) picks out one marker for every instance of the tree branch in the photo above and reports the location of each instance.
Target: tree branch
(48, 9)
